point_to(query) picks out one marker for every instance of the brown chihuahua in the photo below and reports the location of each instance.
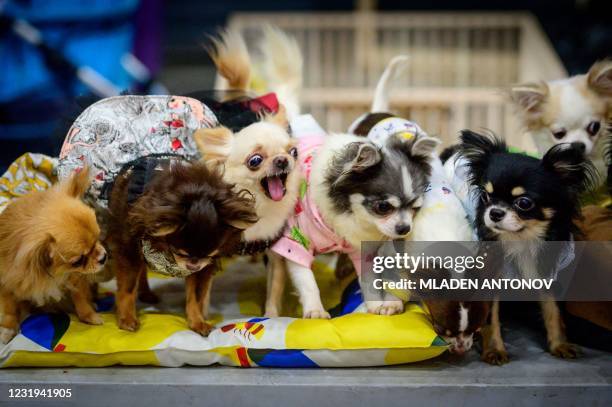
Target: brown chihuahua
(177, 217)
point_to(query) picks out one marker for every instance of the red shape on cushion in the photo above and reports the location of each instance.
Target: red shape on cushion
(243, 357)
(59, 348)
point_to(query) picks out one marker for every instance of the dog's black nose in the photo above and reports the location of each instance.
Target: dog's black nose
(402, 228)
(497, 214)
(581, 147)
(281, 162)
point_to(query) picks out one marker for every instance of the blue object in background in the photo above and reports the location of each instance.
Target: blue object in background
(38, 86)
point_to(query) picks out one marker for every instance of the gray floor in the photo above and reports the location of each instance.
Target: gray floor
(532, 378)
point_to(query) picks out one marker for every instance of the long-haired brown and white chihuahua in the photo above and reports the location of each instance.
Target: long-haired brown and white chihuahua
(167, 207)
(49, 244)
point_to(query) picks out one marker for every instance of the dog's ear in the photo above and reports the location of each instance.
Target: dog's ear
(214, 143)
(41, 258)
(530, 98)
(599, 78)
(364, 155)
(238, 211)
(571, 165)
(424, 146)
(77, 184)
(356, 158)
(279, 118)
(476, 145)
(477, 149)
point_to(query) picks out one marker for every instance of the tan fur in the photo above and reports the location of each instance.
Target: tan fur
(198, 287)
(548, 212)
(269, 137)
(555, 331)
(280, 118)
(493, 348)
(517, 191)
(41, 235)
(230, 55)
(282, 67)
(214, 144)
(489, 187)
(277, 275)
(599, 78)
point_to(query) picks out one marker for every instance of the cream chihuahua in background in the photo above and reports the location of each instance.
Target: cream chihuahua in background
(576, 110)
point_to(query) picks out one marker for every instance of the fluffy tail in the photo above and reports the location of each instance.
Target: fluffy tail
(231, 57)
(282, 67)
(381, 95)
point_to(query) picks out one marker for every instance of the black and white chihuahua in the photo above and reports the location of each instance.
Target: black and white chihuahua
(522, 198)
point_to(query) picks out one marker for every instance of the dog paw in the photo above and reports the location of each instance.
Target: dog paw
(6, 334)
(201, 327)
(92, 319)
(566, 350)
(391, 307)
(148, 297)
(374, 306)
(316, 314)
(129, 323)
(496, 357)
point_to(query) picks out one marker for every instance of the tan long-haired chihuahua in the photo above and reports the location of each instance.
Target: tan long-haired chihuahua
(49, 244)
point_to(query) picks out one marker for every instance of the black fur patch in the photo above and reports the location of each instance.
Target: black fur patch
(378, 181)
(369, 121)
(554, 182)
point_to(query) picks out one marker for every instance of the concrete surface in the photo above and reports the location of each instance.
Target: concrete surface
(532, 378)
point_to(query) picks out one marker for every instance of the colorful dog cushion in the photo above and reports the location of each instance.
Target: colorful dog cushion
(242, 337)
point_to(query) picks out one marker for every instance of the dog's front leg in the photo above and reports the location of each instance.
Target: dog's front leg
(9, 308)
(197, 287)
(128, 273)
(82, 298)
(493, 348)
(277, 276)
(555, 331)
(308, 291)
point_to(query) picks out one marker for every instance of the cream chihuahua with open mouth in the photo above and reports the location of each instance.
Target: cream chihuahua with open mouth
(262, 156)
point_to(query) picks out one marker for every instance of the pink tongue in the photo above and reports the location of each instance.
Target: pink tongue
(275, 188)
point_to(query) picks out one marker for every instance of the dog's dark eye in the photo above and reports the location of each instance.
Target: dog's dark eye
(524, 204)
(593, 128)
(383, 208)
(293, 152)
(79, 262)
(254, 161)
(484, 197)
(559, 134)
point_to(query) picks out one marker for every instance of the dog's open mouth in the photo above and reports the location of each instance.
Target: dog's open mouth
(274, 186)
